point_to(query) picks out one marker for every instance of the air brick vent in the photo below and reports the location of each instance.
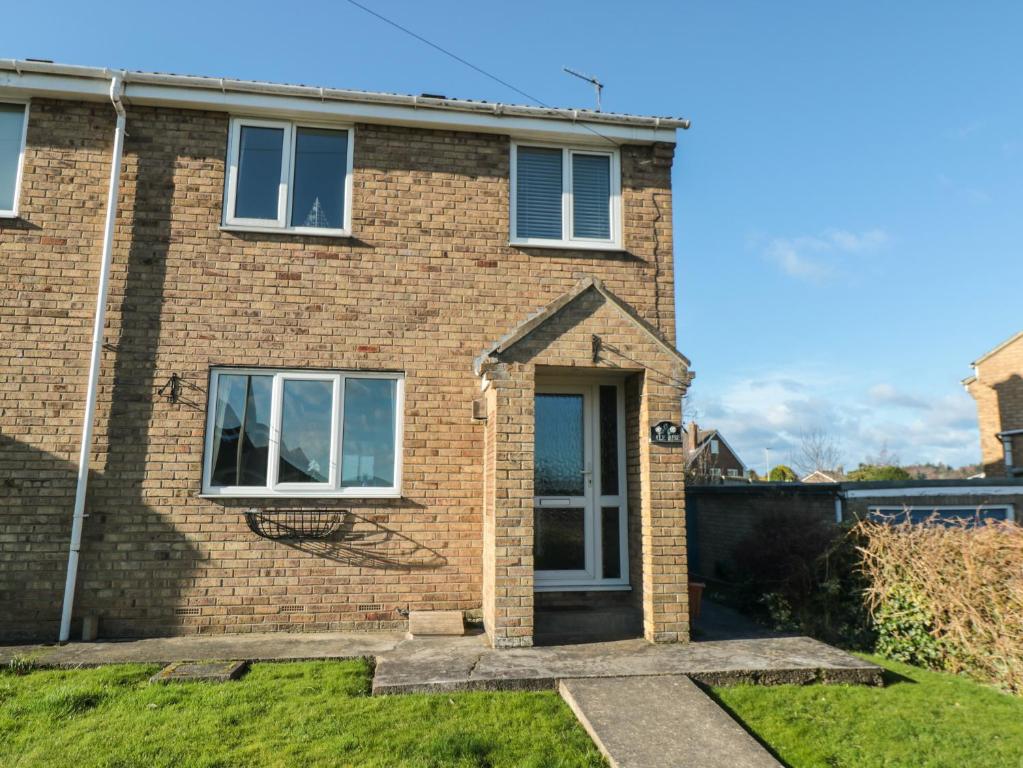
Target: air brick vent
(186, 611)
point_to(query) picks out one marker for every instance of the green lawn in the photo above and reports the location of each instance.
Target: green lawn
(296, 714)
(924, 719)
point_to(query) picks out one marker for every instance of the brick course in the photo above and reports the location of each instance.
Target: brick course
(426, 281)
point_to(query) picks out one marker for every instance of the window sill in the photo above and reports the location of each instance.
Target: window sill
(597, 587)
(8, 214)
(299, 495)
(292, 231)
(567, 245)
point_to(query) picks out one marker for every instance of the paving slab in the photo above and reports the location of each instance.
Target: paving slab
(200, 671)
(436, 623)
(661, 722)
(262, 646)
(468, 663)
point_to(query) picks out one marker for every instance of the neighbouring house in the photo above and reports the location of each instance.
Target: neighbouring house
(820, 476)
(997, 386)
(358, 354)
(709, 457)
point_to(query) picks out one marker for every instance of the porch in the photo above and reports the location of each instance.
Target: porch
(583, 513)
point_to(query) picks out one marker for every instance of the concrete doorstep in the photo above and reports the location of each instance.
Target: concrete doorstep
(661, 722)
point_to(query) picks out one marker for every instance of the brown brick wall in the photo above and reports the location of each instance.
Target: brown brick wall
(720, 517)
(998, 390)
(425, 283)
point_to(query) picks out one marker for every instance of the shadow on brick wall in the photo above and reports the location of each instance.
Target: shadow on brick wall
(36, 503)
(136, 563)
(1009, 393)
(362, 539)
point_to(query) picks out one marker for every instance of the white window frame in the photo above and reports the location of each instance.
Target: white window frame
(12, 213)
(568, 238)
(273, 487)
(287, 182)
(889, 509)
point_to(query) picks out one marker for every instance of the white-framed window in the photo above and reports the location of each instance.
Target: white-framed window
(289, 176)
(948, 515)
(733, 472)
(13, 130)
(274, 432)
(565, 197)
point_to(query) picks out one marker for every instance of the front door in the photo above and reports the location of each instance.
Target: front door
(580, 526)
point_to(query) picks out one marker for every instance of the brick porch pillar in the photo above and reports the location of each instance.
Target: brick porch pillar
(662, 519)
(508, 506)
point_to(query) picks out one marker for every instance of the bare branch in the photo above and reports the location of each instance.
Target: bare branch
(818, 450)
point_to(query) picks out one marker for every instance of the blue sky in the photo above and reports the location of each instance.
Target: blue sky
(847, 203)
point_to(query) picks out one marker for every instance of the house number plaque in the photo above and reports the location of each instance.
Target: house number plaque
(665, 432)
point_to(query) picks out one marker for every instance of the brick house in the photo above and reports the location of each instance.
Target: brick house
(709, 457)
(997, 386)
(360, 354)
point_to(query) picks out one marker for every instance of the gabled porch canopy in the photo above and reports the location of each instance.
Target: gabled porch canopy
(548, 313)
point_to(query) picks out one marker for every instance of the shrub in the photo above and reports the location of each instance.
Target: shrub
(905, 629)
(782, 474)
(948, 596)
(798, 572)
(869, 472)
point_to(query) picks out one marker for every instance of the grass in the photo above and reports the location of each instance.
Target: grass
(921, 719)
(295, 714)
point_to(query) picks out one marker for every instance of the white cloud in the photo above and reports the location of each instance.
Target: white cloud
(768, 411)
(815, 257)
(886, 394)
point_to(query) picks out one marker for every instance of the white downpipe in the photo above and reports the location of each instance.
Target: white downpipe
(116, 88)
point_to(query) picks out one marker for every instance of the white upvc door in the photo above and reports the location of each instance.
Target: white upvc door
(580, 530)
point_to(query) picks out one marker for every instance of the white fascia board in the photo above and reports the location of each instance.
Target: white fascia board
(27, 84)
(952, 490)
(486, 119)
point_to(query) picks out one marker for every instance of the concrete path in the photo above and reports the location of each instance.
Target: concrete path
(268, 646)
(405, 665)
(468, 663)
(661, 722)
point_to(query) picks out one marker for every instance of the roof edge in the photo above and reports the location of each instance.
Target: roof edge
(999, 348)
(225, 85)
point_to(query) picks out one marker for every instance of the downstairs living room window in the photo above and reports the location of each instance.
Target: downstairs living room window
(303, 433)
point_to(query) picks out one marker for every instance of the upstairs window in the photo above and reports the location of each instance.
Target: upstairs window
(566, 198)
(288, 176)
(13, 125)
(303, 433)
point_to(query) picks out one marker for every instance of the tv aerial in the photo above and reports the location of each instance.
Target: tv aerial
(597, 85)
